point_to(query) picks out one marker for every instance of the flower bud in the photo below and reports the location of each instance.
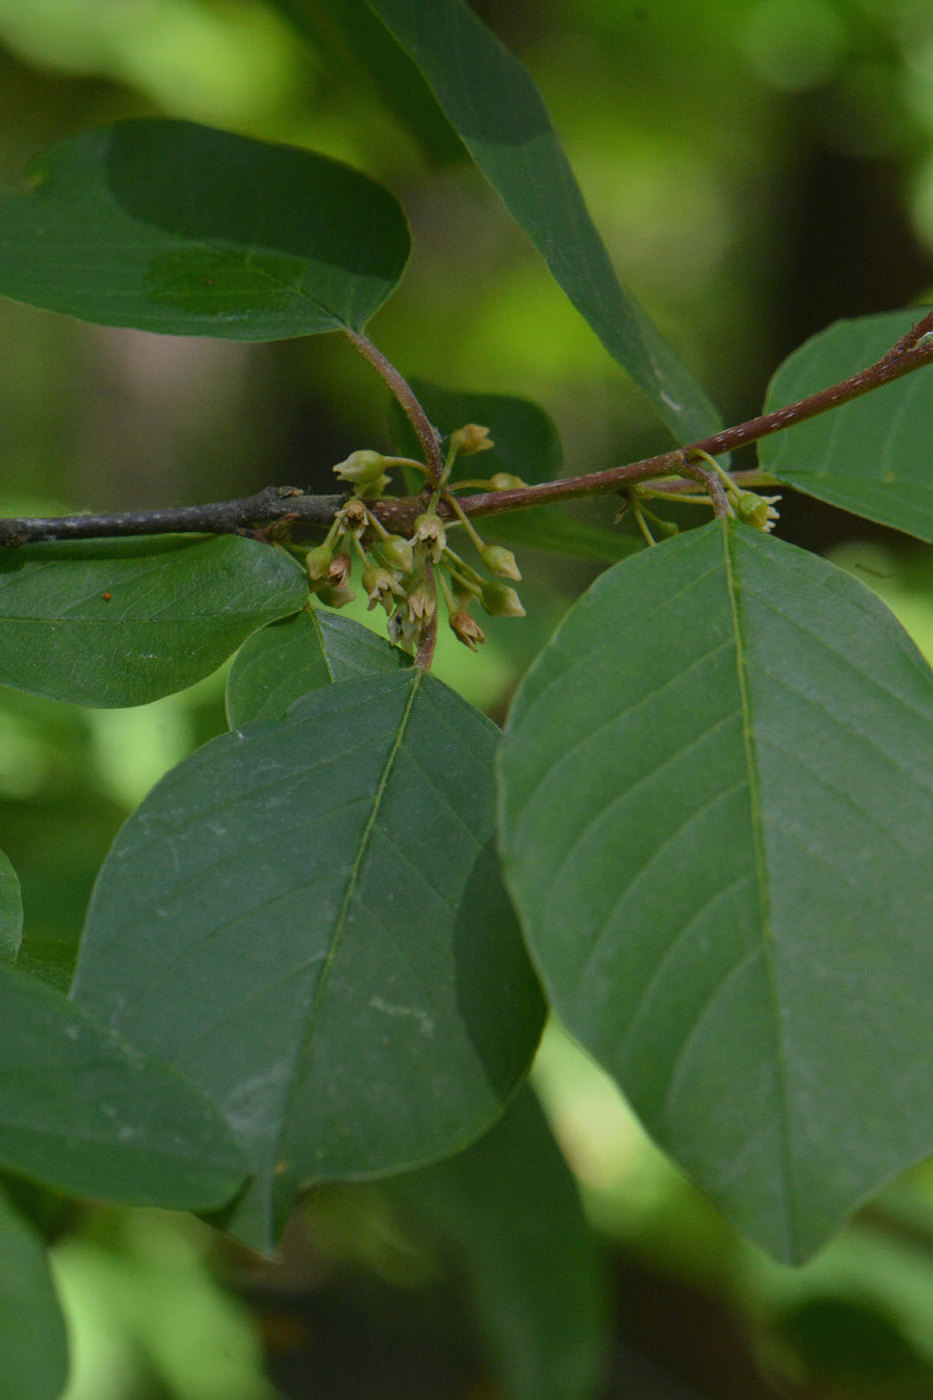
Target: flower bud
(500, 561)
(339, 571)
(506, 481)
(500, 600)
(397, 553)
(466, 629)
(362, 467)
(756, 510)
(318, 562)
(471, 438)
(336, 597)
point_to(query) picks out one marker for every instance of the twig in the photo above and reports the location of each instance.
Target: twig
(406, 397)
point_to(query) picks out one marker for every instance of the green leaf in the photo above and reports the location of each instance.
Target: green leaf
(121, 622)
(11, 911)
(33, 1344)
(357, 47)
(307, 918)
(718, 830)
(526, 445)
(870, 456)
(284, 661)
(510, 1209)
(82, 1112)
(501, 118)
(172, 227)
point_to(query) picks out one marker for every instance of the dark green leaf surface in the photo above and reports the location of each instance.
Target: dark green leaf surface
(871, 456)
(510, 1209)
(528, 446)
(284, 661)
(307, 918)
(11, 911)
(718, 829)
(121, 622)
(83, 1113)
(33, 1344)
(501, 118)
(172, 227)
(347, 31)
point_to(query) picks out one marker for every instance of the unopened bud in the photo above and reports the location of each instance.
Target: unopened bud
(397, 553)
(466, 629)
(501, 601)
(339, 571)
(500, 561)
(336, 597)
(756, 510)
(318, 561)
(362, 467)
(471, 438)
(506, 481)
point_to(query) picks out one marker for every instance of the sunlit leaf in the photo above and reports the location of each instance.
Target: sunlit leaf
(11, 911)
(33, 1344)
(307, 918)
(499, 114)
(121, 622)
(718, 829)
(284, 661)
(871, 456)
(82, 1112)
(168, 226)
(510, 1210)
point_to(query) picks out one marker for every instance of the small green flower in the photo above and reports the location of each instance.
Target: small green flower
(500, 561)
(501, 601)
(756, 510)
(362, 468)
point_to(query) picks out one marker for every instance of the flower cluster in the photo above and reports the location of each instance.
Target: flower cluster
(404, 574)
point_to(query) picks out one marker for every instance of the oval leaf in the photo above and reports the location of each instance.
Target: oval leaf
(871, 456)
(33, 1344)
(509, 1207)
(307, 917)
(718, 829)
(284, 661)
(499, 114)
(83, 1113)
(168, 226)
(11, 911)
(122, 622)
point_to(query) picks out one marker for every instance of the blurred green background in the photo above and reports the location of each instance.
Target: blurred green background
(758, 168)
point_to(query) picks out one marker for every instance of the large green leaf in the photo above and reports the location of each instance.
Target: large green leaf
(500, 116)
(510, 1209)
(11, 911)
(526, 445)
(307, 918)
(82, 1112)
(285, 660)
(871, 456)
(33, 1344)
(178, 228)
(121, 622)
(718, 830)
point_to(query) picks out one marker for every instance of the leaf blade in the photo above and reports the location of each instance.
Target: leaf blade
(705, 912)
(33, 1342)
(870, 456)
(177, 228)
(83, 1113)
(292, 849)
(121, 622)
(500, 116)
(11, 911)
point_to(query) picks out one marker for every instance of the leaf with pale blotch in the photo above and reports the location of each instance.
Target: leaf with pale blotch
(718, 830)
(33, 1343)
(307, 918)
(84, 1113)
(172, 227)
(871, 456)
(497, 111)
(122, 622)
(285, 660)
